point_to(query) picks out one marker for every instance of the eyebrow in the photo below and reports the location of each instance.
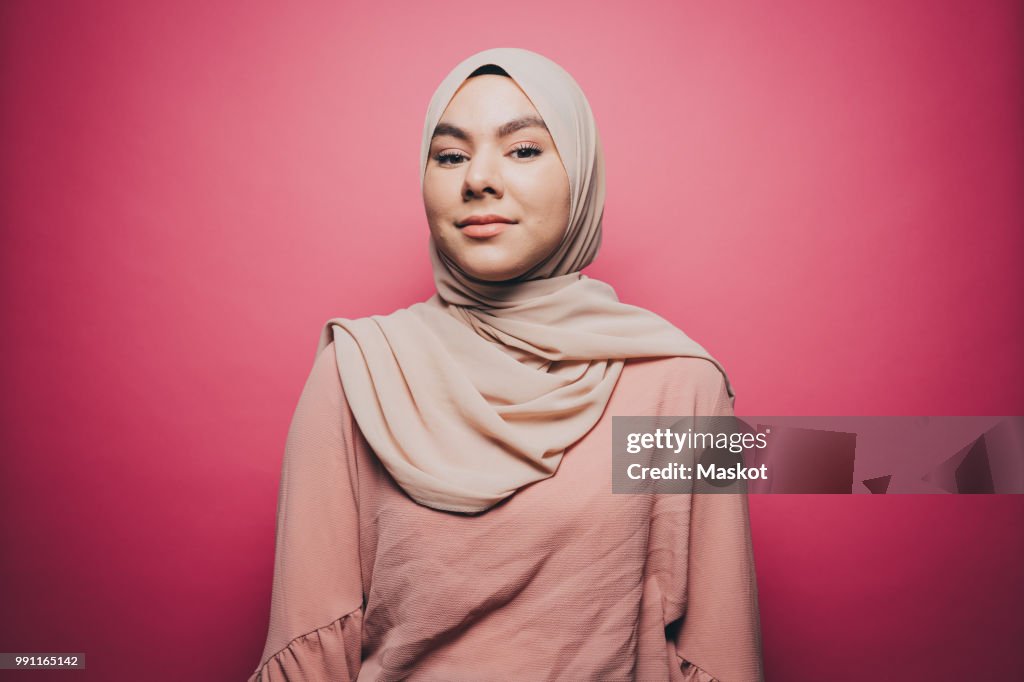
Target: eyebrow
(503, 130)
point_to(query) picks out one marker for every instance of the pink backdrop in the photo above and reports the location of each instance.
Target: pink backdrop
(826, 195)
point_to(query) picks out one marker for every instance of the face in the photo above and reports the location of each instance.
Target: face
(481, 166)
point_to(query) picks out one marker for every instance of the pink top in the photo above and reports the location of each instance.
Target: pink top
(561, 581)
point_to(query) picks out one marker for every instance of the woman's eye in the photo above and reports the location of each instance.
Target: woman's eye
(448, 158)
(531, 151)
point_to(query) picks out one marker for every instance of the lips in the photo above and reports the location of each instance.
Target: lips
(484, 220)
(484, 231)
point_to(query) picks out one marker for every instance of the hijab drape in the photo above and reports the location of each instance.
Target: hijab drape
(479, 390)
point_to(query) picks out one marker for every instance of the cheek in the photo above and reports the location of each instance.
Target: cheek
(532, 190)
(435, 204)
(550, 201)
(430, 195)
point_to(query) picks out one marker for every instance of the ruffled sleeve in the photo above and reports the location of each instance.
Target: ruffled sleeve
(316, 609)
(708, 579)
(718, 636)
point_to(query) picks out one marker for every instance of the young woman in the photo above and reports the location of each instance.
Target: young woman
(446, 508)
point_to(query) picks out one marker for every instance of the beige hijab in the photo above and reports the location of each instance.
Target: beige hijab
(478, 391)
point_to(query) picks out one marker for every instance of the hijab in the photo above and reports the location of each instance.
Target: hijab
(479, 390)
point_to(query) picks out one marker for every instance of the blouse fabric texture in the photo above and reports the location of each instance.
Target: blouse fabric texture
(562, 581)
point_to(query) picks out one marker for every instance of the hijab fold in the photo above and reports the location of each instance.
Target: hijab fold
(479, 390)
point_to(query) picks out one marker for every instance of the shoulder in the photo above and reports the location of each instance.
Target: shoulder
(326, 357)
(690, 384)
(323, 414)
(326, 360)
(324, 381)
(698, 374)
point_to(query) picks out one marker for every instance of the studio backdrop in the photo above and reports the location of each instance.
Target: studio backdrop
(824, 195)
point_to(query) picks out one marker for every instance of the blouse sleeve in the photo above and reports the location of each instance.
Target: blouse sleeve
(317, 596)
(710, 588)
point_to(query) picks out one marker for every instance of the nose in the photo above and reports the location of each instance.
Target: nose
(483, 175)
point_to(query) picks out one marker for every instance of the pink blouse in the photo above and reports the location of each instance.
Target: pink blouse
(561, 581)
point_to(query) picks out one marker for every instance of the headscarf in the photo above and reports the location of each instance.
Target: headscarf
(479, 390)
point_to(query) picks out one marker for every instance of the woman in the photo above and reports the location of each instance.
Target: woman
(445, 509)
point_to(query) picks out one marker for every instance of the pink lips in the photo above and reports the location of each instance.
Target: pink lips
(483, 226)
(485, 230)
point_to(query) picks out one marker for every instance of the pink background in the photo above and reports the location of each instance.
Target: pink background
(826, 195)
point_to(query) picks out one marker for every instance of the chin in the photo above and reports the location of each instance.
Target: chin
(492, 276)
(489, 262)
(492, 272)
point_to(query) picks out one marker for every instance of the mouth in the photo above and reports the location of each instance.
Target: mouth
(484, 220)
(482, 231)
(483, 226)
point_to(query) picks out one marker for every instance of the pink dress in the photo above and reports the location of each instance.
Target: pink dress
(561, 581)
